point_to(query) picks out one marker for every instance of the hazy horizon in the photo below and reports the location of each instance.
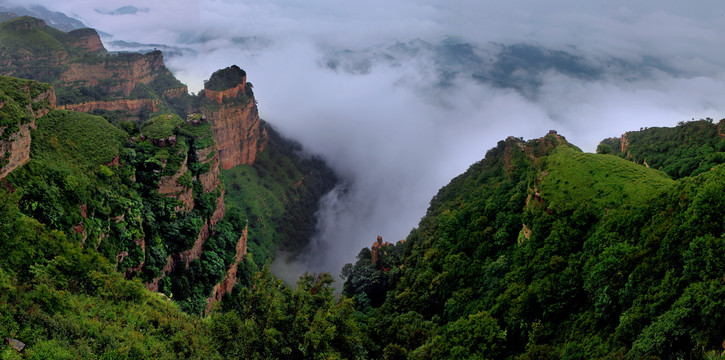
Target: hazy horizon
(400, 97)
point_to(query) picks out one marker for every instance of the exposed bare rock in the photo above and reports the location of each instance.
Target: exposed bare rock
(176, 93)
(194, 253)
(123, 73)
(230, 279)
(209, 180)
(88, 40)
(15, 148)
(378, 250)
(220, 210)
(17, 345)
(131, 106)
(236, 125)
(170, 186)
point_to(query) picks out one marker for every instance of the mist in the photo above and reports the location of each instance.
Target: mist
(400, 97)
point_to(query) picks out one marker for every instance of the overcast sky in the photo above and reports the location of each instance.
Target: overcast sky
(392, 131)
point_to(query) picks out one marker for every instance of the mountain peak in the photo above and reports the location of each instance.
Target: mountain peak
(24, 23)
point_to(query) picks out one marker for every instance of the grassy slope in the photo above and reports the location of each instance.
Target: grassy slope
(601, 180)
(604, 267)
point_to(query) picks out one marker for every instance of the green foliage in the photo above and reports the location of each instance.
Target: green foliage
(19, 99)
(689, 149)
(278, 195)
(226, 78)
(557, 255)
(162, 126)
(268, 320)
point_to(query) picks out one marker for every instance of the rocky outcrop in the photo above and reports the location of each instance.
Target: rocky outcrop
(131, 106)
(378, 250)
(176, 93)
(230, 279)
(15, 147)
(118, 74)
(210, 179)
(220, 211)
(87, 40)
(624, 143)
(219, 96)
(236, 125)
(15, 150)
(186, 257)
(169, 186)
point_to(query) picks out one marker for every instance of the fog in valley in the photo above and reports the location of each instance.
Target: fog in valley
(400, 97)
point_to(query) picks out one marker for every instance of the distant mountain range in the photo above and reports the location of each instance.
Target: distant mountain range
(517, 66)
(54, 19)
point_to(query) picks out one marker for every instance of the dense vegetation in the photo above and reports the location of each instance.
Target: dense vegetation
(277, 194)
(32, 50)
(691, 148)
(226, 78)
(72, 221)
(541, 252)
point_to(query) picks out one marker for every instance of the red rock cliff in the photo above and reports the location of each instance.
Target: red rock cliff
(118, 74)
(15, 148)
(230, 279)
(87, 40)
(237, 129)
(131, 106)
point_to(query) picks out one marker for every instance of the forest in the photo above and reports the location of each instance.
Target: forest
(119, 228)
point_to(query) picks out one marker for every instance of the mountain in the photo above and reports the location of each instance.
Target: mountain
(521, 67)
(142, 183)
(693, 147)
(541, 251)
(56, 19)
(135, 219)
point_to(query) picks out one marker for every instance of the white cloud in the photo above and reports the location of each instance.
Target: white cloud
(397, 135)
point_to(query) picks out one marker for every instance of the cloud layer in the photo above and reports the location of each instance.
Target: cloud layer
(399, 124)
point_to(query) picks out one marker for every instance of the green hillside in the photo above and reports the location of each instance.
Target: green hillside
(83, 229)
(689, 149)
(552, 254)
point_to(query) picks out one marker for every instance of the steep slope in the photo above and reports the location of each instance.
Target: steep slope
(85, 76)
(228, 101)
(21, 103)
(541, 251)
(689, 149)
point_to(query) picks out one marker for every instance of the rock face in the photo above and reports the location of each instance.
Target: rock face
(202, 154)
(230, 279)
(170, 186)
(15, 141)
(15, 150)
(119, 74)
(85, 75)
(87, 40)
(378, 250)
(237, 129)
(131, 106)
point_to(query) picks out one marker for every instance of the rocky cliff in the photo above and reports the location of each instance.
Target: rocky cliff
(87, 40)
(190, 174)
(85, 75)
(132, 106)
(21, 102)
(118, 74)
(230, 279)
(236, 121)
